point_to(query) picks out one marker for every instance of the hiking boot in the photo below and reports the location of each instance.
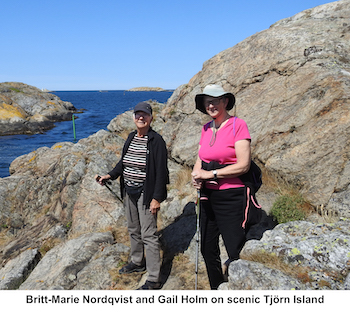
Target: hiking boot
(132, 267)
(150, 286)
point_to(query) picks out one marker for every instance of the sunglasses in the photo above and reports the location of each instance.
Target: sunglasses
(138, 115)
(213, 101)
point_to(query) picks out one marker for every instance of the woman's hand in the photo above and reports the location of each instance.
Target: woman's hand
(197, 180)
(102, 179)
(154, 206)
(199, 175)
(197, 183)
(202, 174)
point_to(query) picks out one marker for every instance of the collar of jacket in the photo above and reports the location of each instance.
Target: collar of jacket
(150, 133)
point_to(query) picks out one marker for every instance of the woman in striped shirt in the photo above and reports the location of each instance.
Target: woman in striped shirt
(143, 172)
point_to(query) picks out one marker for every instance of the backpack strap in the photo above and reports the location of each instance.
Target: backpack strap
(234, 126)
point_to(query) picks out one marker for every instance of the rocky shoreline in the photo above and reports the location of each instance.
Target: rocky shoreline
(27, 110)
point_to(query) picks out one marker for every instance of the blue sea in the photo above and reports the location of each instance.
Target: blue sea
(99, 108)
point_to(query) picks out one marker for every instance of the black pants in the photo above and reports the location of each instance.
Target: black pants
(222, 213)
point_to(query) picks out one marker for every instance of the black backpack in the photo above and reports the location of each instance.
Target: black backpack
(253, 178)
(252, 181)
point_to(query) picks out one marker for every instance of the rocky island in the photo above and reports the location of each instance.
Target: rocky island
(146, 89)
(60, 230)
(26, 109)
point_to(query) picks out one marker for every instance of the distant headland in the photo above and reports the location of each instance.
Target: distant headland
(147, 89)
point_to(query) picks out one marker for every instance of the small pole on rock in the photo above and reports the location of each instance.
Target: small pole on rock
(73, 127)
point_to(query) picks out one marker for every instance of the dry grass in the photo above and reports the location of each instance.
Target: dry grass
(5, 238)
(327, 216)
(298, 272)
(185, 271)
(120, 234)
(49, 244)
(183, 178)
(276, 184)
(123, 281)
(182, 268)
(272, 261)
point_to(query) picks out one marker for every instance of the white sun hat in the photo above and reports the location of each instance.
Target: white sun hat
(214, 90)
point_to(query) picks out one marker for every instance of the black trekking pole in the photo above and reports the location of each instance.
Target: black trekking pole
(107, 186)
(197, 236)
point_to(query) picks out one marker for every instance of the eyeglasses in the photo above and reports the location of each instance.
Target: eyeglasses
(138, 115)
(212, 101)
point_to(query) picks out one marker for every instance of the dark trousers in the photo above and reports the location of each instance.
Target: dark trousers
(222, 214)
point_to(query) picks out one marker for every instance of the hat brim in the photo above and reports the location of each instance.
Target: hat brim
(148, 112)
(200, 105)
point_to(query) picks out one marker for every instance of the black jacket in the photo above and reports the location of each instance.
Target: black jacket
(157, 173)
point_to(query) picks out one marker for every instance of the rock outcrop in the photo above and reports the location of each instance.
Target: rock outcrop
(62, 264)
(52, 202)
(314, 256)
(25, 109)
(14, 273)
(59, 227)
(291, 83)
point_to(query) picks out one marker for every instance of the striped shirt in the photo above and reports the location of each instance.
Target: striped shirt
(134, 162)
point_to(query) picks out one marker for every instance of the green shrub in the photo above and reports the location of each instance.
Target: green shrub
(288, 208)
(15, 89)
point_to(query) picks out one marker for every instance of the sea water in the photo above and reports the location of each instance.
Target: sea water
(99, 108)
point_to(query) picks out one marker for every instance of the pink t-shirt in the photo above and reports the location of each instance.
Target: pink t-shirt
(223, 148)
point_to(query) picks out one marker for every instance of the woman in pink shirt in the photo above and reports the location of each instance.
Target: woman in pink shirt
(223, 155)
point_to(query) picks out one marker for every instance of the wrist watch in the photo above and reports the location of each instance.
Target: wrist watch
(215, 173)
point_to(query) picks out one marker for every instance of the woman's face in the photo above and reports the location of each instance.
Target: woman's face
(142, 120)
(215, 106)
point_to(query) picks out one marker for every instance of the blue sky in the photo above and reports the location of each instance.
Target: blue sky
(116, 45)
